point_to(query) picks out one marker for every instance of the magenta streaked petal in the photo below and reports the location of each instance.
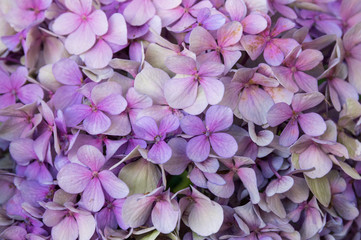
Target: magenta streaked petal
(93, 196)
(30, 93)
(219, 118)
(289, 134)
(229, 34)
(96, 123)
(160, 152)
(278, 113)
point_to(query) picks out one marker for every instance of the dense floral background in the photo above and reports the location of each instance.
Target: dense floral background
(180, 119)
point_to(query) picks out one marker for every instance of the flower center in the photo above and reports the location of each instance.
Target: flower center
(157, 138)
(95, 174)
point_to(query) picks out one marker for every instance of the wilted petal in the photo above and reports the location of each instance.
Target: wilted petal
(198, 148)
(229, 34)
(254, 45)
(93, 196)
(73, 178)
(164, 217)
(115, 187)
(273, 54)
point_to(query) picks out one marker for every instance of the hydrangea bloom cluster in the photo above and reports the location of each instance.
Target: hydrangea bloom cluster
(180, 119)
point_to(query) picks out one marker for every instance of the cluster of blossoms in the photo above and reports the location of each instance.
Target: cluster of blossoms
(180, 119)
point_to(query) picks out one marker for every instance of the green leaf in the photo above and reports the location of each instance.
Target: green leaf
(150, 236)
(179, 182)
(320, 187)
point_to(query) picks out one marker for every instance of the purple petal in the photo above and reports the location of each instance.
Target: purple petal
(81, 40)
(181, 65)
(93, 196)
(148, 128)
(73, 178)
(249, 180)
(223, 191)
(139, 12)
(117, 31)
(254, 23)
(306, 82)
(223, 144)
(96, 123)
(90, 156)
(164, 216)
(86, 225)
(229, 34)
(308, 59)
(210, 69)
(278, 113)
(160, 152)
(66, 71)
(273, 54)
(254, 45)
(237, 9)
(282, 25)
(201, 40)
(76, 113)
(30, 93)
(304, 101)
(280, 185)
(218, 118)
(18, 78)
(179, 160)
(312, 124)
(213, 88)
(22, 151)
(113, 104)
(198, 148)
(168, 124)
(115, 187)
(289, 134)
(98, 22)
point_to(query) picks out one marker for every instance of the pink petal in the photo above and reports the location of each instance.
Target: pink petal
(210, 69)
(168, 124)
(229, 34)
(101, 91)
(223, 191)
(160, 152)
(18, 78)
(180, 92)
(7, 100)
(230, 58)
(213, 88)
(66, 71)
(96, 123)
(66, 229)
(79, 6)
(306, 82)
(66, 23)
(289, 134)
(285, 76)
(312, 124)
(282, 25)
(254, 104)
(223, 144)
(76, 113)
(91, 157)
(214, 22)
(115, 187)
(314, 157)
(113, 104)
(254, 23)
(219, 118)
(237, 9)
(198, 148)
(304, 101)
(273, 55)
(249, 180)
(254, 45)
(93, 196)
(73, 178)
(167, 4)
(148, 128)
(136, 210)
(86, 225)
(98, 22)
(280, 185)
(192, 125)
(99, 55)
(185, 21)
(178, 161)
(278, 113)
(117, 31)
(164, 216)
(308, 59)
(5, 83)
(197, 178)
(201, 40)
(139, 12)
(181, 65)
(81, 40)
(30, 93)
